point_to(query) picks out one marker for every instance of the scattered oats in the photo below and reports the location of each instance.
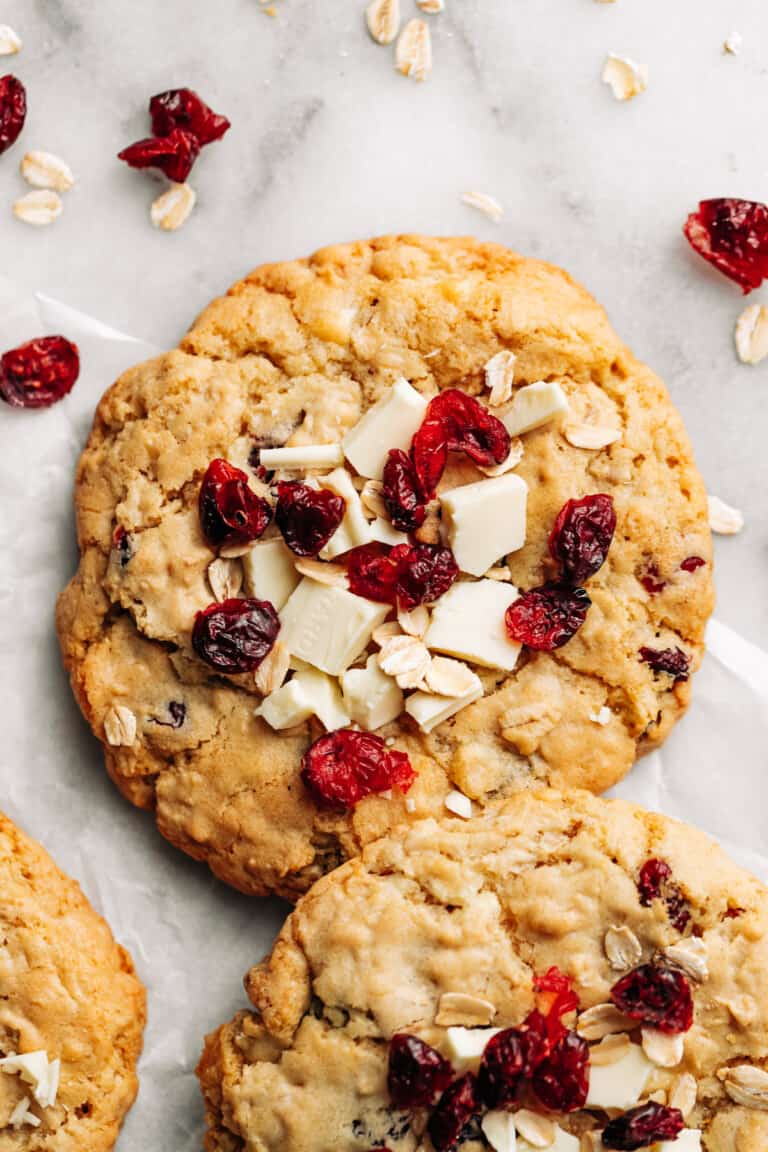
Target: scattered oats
(383, 20)
(500, 572)
(271, 673)
(172, 208)
(405, 658)
(622, 948)
(429, 531)
(499, 377)
(690, 955)
(373, 500)
(410, 805)
(21, 1115)
(486, 204)
(270, 10)
(591, 436)
(602, 1020)
(431, 355)
(432, 7)
(662, 1049)
(38, 208)
(732, 44)
(235, 551)
(538, 1130)
(515, 455)
(610, 1050)
(724, 519)
(602, 717)
(460, 1008)
(452, 678)
(415, 622)
(10, 42)
(385, 632)
(459, 804)
(44, 170)
(413, 54)
(752, 334)
(746, 1085)
(120, 726)
(683, 1095)
(225, 578)
(324, 572)
(625, 77)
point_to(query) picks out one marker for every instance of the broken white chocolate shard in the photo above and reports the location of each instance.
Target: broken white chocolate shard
(372, 698)
(534, 405)
(173, 208)
(500, 377)
(465, 1046)
(269, 572)
(429, 710)
(485, 521)
(724, 519)
(752, 334)
(459, 804)
(300, 456)
(486, 204)
(328, 627)
(381, 529)
(354, 528)
(468, 622)
(35, 1069)
(602, 716)
(499, 1130)
(383, 20)
(391, 423)
(413, 53)
(44, 170)
(309, 693)
(621, 1084)
(625, 78)
(461, 1008)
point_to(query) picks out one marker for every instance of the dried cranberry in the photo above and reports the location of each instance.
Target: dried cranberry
(13, 110)
(651, 579)
(373, 572)
(342, 767)
(456, 422)
(417, 1072)
(230, 513)
(644, 1125)
(236, 635)
(733, 913)
(454, 1110)
(547, 617)
(691, 563)
(582, 535)
(177, 712)
(174, 155)
(401, 492)
(39, 373)
(183, 108)
(673, 661)
(122, 542)
(429, 453)
(561, 1081)
(555, 998)
(509, 1058)
(655, 994)
(408, 574)
(307, 517)
(655, 883)
(732, 235)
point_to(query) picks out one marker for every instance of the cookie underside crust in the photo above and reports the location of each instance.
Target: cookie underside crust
(297, 351)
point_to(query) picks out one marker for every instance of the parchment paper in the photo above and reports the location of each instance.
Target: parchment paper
(192, 938)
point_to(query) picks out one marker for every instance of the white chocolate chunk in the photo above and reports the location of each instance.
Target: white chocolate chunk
(459, 804)
(269, 572)
(624, 77)
(689, 1140)
(602, 716)
(354, 528)
(372, 698)
(34, 1069)
(484, 521)
(428, 711)
(619, 1085)
(390, 423)
(465, 1046)
(328, 627)
(309, 693)
(499, 1131)
(563, 1142)
(21, 1115)
(468, 622)
(299, 456)
(382, 530)
(534, 405)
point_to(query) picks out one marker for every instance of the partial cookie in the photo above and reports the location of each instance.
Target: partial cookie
(562, 966)
(72, 1010)
(295, 355)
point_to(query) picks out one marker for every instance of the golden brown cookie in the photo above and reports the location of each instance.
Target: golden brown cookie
(454, 935)
(294, 355)
(72, 1010)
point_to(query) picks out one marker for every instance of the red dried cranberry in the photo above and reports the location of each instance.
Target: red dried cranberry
(655, 994)
(230, 513)
(732, 235)
(174, 155)
(733, 913)
(417, 1072)
(644, 1125)
(454, 1110)
(183, 108)
(561, 1081)
(236, 635)
(651, 580)
(123, 543)
(582, 535)
(342, 767)
(673, 661)
(555, 998)
(691, 563)
(13, 110)
(39, 373)
(429, 453)
(408, 574)
(307, 517)
(401, 492)
(509, 1058)
(373, 572)
(655, 883)
(547, 617)
(457, 422)
(177, 712)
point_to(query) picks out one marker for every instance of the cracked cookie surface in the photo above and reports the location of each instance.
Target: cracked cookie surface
(543, 879)
(295, 353)
(67, 989)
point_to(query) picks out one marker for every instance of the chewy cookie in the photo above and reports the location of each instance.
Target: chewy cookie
(72, 1010)
(561, 969)
(415, 487)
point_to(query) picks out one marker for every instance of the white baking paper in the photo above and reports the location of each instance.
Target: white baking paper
(192, 938)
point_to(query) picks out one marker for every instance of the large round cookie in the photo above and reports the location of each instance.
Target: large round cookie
(295, 353)
(70, 997)
(440, 932)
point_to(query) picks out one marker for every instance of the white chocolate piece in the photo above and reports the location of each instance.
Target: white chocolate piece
(459, 804)
(534, 405)
(269, 572)
(370, 696)
(309, 693)
(354, 529)
(299, 456)
(428, 710)
(327, 626)
(485, 520)
(621, 1084)
(34, 1069)
(390, 423)
(382, 530)
(563, 1142)
(689, 1140)
(499, 1131)
(468, 622)
(465, 1046)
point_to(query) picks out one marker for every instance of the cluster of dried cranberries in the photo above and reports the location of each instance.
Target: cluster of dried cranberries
(40, 372)
(182, 124)
(404, 575)
(344, 766)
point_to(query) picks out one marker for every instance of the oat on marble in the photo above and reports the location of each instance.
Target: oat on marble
(413, 54)
(486, 204)
(45, 170)
(383, 20)
(625, 78)
(751, 334)
(38, 208)
(173, 207)
(724, 519)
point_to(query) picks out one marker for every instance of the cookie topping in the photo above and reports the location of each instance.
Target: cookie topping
(390, 424)
(230, 512)
(407, 575)
(468, 622)
(416, 1072)
(35, 1069)
(464, 1009)
(582, 535)
(655, 883)
(547, 617)
(622, 948)
(484, 521)
(690, 955)
(561, 1081)
(747, 1085)
(39, 373)
(625, 78)
(400, 492)
(342, 767)
(656, 994)
(120, 726)
(236, 635)
(535, 405)
(307, 517)
(300, 456)
(673, 661)
(327, 626)
(455, 1108)
(641, 1126)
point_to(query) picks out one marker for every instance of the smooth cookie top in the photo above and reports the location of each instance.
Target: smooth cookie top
(294, 356)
